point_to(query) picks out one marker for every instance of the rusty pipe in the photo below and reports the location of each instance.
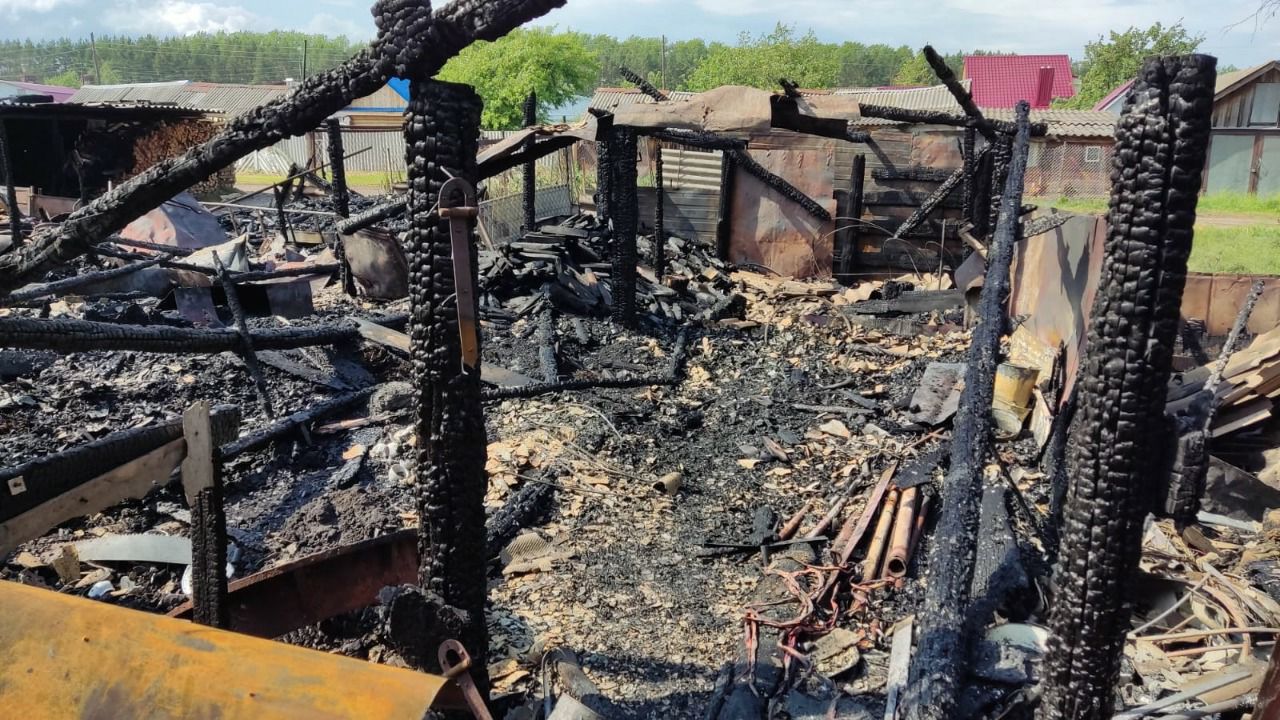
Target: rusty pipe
(829, 518)
(871, 564)
(792, 526)
(895, 562)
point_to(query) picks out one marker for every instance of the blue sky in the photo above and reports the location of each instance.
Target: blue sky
(1025, 26)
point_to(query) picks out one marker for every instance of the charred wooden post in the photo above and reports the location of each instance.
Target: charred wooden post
(442, 130)
(58, 287)
(659, 215)
(696, 139)
(604, 182)
(724, 214)
(789, 88)
(299, 420)
(857, 200)
(202, 481)
(626, 211)
(341, 196)
(743, 159)
(410, 35)
(643, 85)
(66, 335)
(531, 167)
(970, 167)
(10, 186)
(1161, 142)
(940, 659)
(338, 169)
(373, 216)
(247, 353)
(1001, 154)
(547, 342)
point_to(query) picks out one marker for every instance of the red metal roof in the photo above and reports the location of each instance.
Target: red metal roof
(1000, 81)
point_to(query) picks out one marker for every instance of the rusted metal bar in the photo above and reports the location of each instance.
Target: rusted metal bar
(936, 669)
(410, 36)
(103, 661)
(1161, 143)
(895, 561)
(880, 538)
(317, 587)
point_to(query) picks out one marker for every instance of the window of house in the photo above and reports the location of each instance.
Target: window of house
(1266, 104)
(1093, 154)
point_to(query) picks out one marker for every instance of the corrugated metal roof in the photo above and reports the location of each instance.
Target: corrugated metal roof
(1003, 80)
(1228, 81)
(1062, 123)
(226, 99)
(57, 92)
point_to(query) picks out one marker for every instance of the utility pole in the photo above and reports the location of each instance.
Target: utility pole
(304, 58)
(97, 66)
(664, 63)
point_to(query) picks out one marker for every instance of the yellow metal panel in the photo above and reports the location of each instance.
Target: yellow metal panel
(66, 657)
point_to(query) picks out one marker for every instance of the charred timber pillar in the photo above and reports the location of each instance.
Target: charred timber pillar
(659, 215)
(1161, 141)
(1001, 151)
(626, 212)
(531, 167)
(11, 189)
(341, 198)
(442, 129)
(944, 648)
(969, 168)
(604, 181)
(724, 219)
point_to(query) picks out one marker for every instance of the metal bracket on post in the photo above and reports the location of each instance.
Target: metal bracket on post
(460, 217)
(458, 672)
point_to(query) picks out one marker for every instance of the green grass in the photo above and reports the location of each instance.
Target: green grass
(1216, 203)
(1251, 249)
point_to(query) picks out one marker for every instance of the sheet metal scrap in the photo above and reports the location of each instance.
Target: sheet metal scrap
(67, 657)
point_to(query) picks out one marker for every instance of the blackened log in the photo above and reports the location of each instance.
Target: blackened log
(338, 169)
(944, 648)
(1054, 465)
(373, 215)
(530, 178)
(626, 221)
(1000, 580)
(785, 114)
(1161, 143)
(50, 476)
(930, 204)
(66, 335)
(914, 174)
(674, 373)
(1002, 154)
(247, 353)
(300, 419)
(530, 505)
(154, 247)
(604, 181)
(547, 344)
(857, 203)
(743, 159)
(696, 139)
(789, 88)
(410, 35)
(659, 216)
(60, 287)
(643, 85)
(970, 167)
(939, 117)
(958, 91)
(442, 136)
(527, 154)
(724, 212)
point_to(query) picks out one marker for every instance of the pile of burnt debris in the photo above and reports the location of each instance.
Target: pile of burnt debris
(591, 472)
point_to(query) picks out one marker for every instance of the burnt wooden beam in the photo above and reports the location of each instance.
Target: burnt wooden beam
(696, 139)
(937, 669)
(724, 216)
(938, 117)
(410, 36)
(930, 204)
(247, 352)
(10, 186)
(625, 211)
(659, 216)
(786, 115)
(643, 85)
(374, 215)
(789, 88)
(527, 154)
(914, 173)
(857, 204)
(298, 420)
(962, 96)
(1161, 142)
(743, 159)
(61, 287)
(67, 335)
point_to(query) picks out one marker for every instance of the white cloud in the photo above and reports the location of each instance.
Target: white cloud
(180, 17)
(332, 25)
(14, 7)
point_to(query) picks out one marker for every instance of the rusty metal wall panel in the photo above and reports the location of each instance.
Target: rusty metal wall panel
(1053, 280)
(1216, 299)
(770, 229)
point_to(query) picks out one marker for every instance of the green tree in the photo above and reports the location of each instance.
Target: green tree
(1115, 60)
(762, 60)
(557, 66)
(915, 71)
(66, 78)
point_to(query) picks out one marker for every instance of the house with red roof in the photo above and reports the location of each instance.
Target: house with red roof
(1000, 81)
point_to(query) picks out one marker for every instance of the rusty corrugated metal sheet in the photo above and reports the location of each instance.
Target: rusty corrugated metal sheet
(1216, 299)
